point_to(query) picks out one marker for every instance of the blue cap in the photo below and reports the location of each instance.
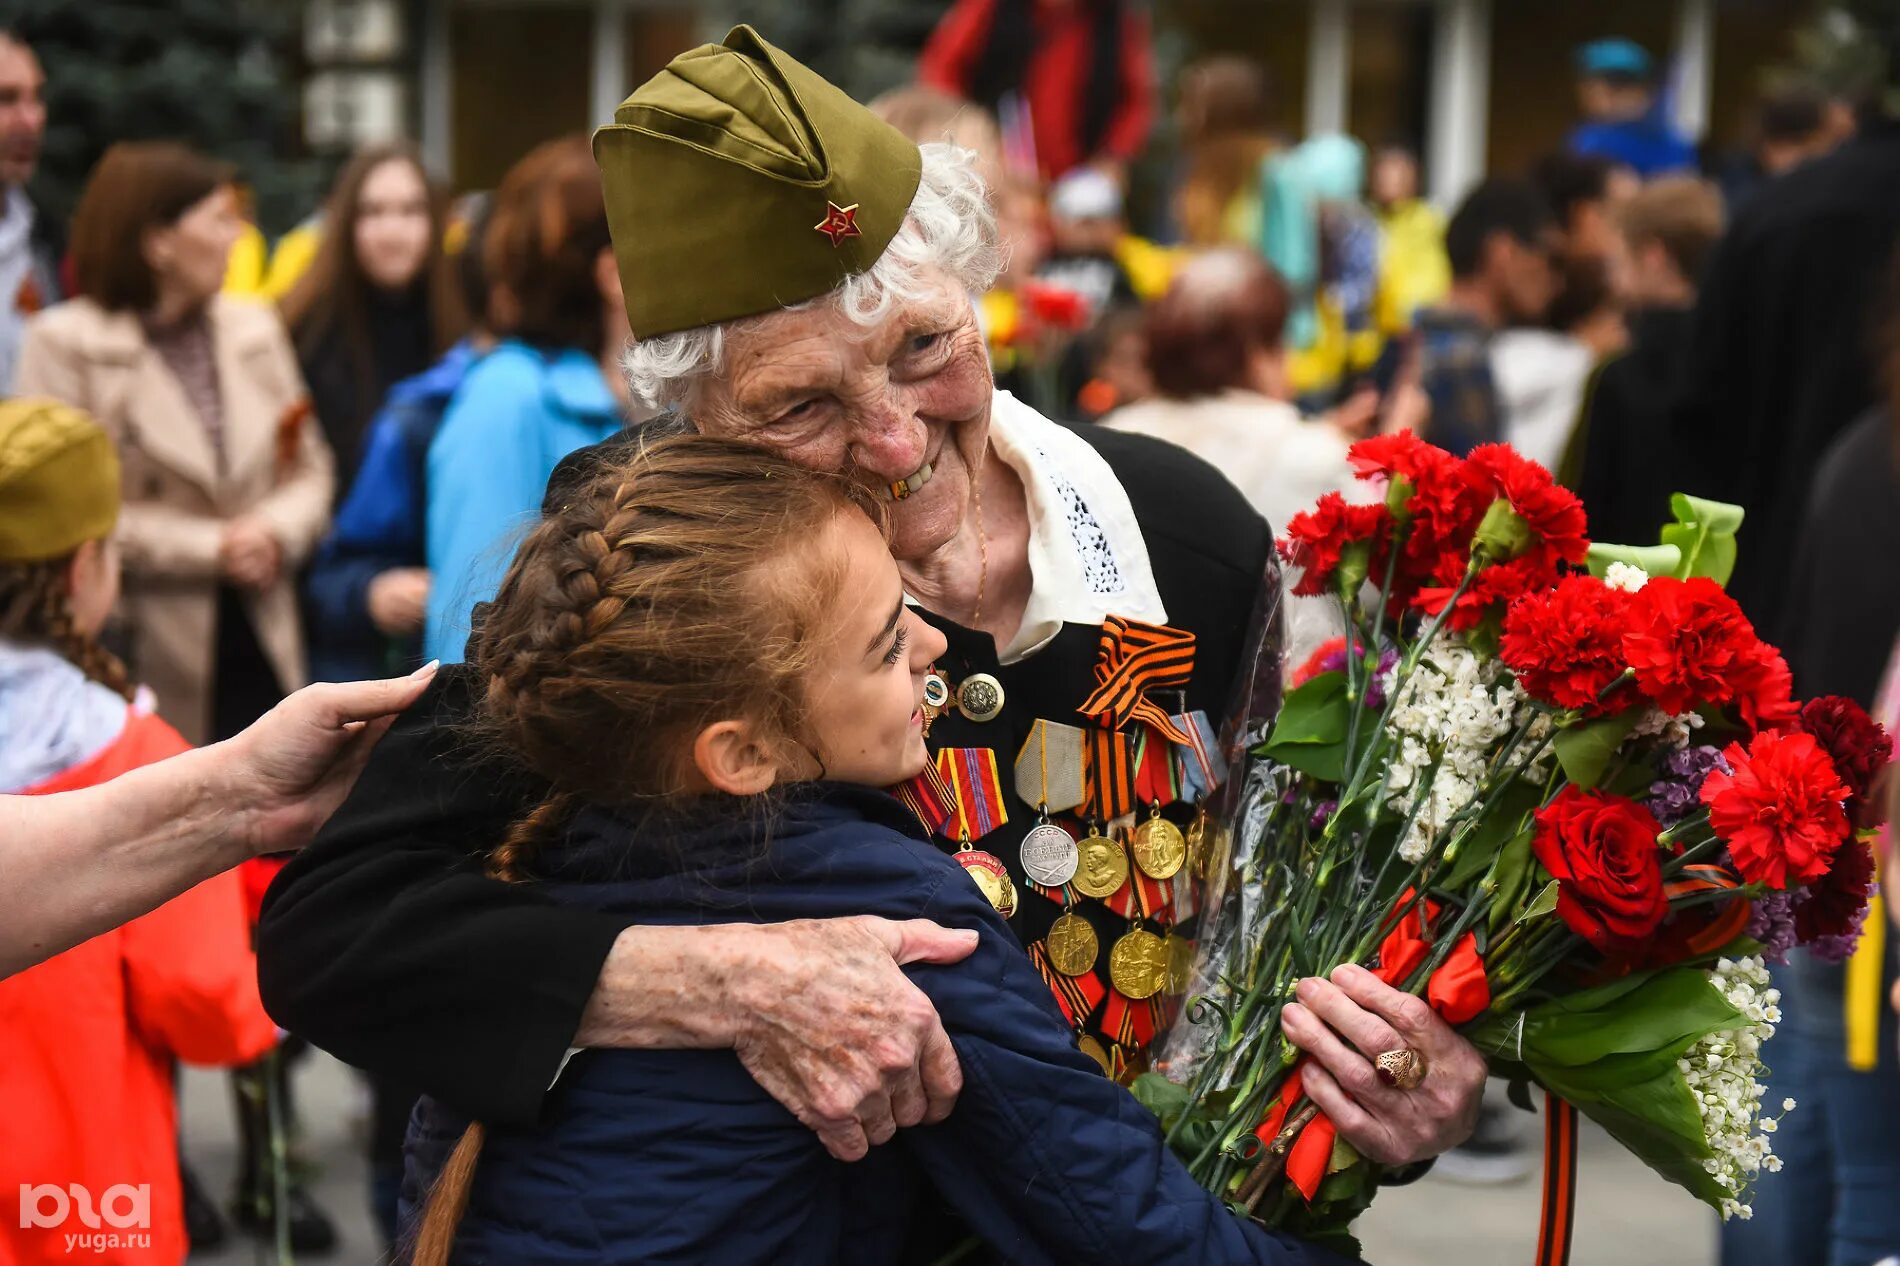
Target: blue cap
(1618, 57)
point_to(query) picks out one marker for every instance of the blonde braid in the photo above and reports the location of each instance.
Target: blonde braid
(34, 606)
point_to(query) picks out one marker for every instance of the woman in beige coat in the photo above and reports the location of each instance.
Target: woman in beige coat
(227, 478)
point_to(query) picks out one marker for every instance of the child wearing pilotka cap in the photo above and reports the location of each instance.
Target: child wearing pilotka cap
(89, 1037)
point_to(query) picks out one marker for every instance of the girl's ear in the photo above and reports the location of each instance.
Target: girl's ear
(729, 755)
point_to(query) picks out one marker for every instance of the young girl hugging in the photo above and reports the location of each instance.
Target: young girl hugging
(706, 653)
(88, 1038)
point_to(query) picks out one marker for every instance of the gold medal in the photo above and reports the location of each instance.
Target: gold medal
(1205, 842)
(1159, 847)
(1093, 1049)
(1180, 964)
(1102, 868)
(990, 876)
(1138, 964)
(1049, 855)
(980, 697)
(1072, 945)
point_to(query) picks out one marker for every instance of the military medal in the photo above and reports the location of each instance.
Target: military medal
(936, 697)
(1102, 867)
(1049, 855)
(1049, 767)
(1159, 846)
(1180, 973)
(980, 697)
(1072, 945)
(1138, 964)
(976, 793)
(990, 876)
(1093, 1049)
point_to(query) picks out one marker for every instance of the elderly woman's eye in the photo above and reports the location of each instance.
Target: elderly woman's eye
(920, 343)
(797, 413)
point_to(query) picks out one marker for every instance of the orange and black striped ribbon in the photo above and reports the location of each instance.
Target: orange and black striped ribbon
(1560, 1182)
(1108, 774)
(927, 796)
(1077, 996)
(1724, 924)
(1134, 659)
(1142, 897)
(1130, 1023)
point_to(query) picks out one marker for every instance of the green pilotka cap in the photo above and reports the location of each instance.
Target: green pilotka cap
(738, 181)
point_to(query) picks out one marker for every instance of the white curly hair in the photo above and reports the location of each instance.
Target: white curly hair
(950, 226)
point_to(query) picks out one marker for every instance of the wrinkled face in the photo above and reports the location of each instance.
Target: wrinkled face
(392, 224)
(22, 112)
(189, 256)
(864, 696)
(908, 399)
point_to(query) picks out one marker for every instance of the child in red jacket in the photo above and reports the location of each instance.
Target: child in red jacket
(88, 1122)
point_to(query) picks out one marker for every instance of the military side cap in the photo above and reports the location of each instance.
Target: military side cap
(738, 182)
(59, 481)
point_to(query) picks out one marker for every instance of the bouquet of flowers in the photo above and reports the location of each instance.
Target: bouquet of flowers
(1560, 791)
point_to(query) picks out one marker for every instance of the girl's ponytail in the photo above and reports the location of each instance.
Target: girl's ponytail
(448, 1200)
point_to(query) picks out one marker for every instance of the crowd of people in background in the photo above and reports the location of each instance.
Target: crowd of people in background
(310, 462)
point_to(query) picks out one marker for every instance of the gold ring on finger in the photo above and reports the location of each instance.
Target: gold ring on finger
(1402, 1068)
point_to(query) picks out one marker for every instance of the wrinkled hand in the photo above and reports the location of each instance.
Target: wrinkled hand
(1344, 1024)
(249, 554)
(840, 1036)
(289, 770)
(397, 600)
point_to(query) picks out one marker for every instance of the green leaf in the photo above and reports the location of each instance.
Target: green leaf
(1705, 533)
(1586, 748)
(1544, 903)
(1481, 845)
(1655, 560)
(1512, 874)
(1310, 733)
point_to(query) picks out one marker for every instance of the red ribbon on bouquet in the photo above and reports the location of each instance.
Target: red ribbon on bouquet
(1457, 991)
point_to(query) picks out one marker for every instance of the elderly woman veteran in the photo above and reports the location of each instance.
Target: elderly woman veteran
(800, 275)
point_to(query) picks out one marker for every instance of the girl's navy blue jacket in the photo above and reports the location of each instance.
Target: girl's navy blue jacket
(679, 1156)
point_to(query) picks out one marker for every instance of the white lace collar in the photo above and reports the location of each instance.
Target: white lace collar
(1087, 558)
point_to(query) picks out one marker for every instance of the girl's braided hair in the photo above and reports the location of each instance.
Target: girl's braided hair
(34, 607)
(674, 587)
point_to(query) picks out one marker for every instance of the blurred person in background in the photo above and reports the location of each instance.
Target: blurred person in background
(1225, 123)
(1834, 1050)
(1792, 124)
(1622, 115)
(1501, 243)
(1617, 461)
(367, 590)
(1320, 237)
(1070, 82)
(29, 247)
(227, 479)
(1085, 226)
(926, 114)
(1585, 192)
(88, 1037)
(1115, 357)
(1413, 270)
(549, 386)
(1541, 370)
(380, 301)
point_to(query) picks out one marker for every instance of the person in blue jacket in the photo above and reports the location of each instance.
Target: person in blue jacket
(1624, 119)
(540, 394)
(707, 653)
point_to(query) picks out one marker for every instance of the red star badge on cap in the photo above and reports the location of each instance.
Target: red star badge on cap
(839, 223)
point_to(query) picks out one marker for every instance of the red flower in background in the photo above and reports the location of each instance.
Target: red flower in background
(1686, 640)
(1838, 901)
(1566, 644)
(1858, 747)
(1553, 514)
(1055, 306)
(1317, 539)
(1602, 851)
(1778, 809)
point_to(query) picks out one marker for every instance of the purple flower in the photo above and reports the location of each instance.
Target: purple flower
(1321, 812)
(1676, 794)
(1837, 949)
(1375, 690)
(1771, 921)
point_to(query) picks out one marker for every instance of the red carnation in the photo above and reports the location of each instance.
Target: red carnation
(1566, 644)
(1837, 903)
(1553, 515)
(1858, 747)
(1778, 808)
(1491, 590)
(1436, 494)
(1764, 688)
(1602, 851)
(1317, 540)
(1686, 640)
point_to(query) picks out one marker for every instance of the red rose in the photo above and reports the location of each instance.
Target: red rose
(1317, 540)
(1837, 902)
(1778, 808)
(1553, 515)
(1764, 688)
(1686, 641)
(1858, 747)
(1602, 851)
(1566, 644)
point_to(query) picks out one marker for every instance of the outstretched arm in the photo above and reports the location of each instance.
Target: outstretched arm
(78, 863)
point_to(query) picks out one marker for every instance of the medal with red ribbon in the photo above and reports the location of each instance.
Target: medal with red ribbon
(976, 803)
(1134, 659)
(928, 797)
